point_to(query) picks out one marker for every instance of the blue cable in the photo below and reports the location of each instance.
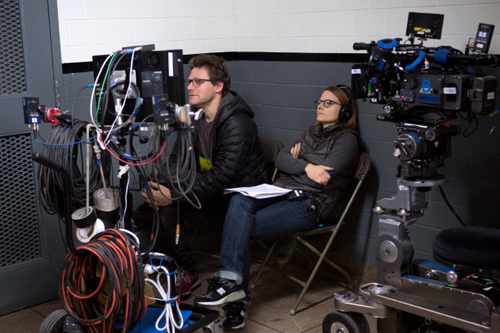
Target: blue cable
(64, 144)
(416, 62)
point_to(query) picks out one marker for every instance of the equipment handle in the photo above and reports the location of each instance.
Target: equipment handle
(361, 46)
(43, 160)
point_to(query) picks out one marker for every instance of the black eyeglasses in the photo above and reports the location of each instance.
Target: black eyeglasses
(196, 82)
(327, 103)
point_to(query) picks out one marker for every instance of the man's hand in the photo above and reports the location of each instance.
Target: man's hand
(161, 195)
(319, 173)
(295, 150)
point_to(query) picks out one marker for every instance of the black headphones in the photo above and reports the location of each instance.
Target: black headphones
(345, 112)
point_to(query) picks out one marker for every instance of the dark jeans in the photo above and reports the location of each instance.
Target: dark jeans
(144, 215)
(259, 219)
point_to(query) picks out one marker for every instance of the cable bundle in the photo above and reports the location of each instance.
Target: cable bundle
(171, 316)
(102, 286)
(182, 178)
(60, 147)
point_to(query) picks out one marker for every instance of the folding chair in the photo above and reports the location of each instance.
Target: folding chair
(359, 176)
(270, 148)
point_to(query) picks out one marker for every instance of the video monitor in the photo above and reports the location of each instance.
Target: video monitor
(483, 38)
(424, 25)
(152, 72)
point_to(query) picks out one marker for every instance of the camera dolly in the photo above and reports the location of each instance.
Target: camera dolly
(462, 291)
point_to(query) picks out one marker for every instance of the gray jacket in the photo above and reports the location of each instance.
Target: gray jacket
(334, 147)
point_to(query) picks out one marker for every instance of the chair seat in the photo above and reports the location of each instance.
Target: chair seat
(475, 247)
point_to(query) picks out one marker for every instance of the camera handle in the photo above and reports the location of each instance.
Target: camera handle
(394, 247)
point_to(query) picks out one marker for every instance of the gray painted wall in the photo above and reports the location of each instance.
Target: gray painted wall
(282, 93)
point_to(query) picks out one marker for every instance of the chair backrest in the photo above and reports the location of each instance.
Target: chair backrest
(359, 176)
(344, 204)
(363, 167)
(271, 148)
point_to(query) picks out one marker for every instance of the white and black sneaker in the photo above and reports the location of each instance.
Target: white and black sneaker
(220, 291)
(236, 313)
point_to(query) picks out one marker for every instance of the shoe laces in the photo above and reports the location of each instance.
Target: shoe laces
(214, 283)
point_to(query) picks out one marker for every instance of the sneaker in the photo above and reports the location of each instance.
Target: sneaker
(236, 313)
(220, 291)
(189, 282)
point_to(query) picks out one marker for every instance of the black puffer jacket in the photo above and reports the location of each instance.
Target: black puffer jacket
(334, 147)
(237, 155)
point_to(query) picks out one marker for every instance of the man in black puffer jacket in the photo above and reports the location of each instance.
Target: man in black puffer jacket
(229, 153)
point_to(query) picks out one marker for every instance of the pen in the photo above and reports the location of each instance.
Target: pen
(330, 173)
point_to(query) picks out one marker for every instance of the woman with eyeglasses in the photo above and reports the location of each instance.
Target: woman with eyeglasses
(317, 167)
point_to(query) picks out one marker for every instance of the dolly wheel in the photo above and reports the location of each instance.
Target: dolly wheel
(342, 322)
(54, 322)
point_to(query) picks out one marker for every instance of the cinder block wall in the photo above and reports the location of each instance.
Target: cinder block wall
(89, 27)
(282, 93)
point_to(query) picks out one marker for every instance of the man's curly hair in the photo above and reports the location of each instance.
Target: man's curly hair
(217, 71)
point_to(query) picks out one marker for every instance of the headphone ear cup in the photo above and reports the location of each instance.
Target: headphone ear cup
(345, 112)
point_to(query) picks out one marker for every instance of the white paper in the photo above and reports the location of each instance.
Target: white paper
(262, 191)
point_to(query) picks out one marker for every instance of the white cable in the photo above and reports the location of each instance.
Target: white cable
(119, 113)
(167, 314)
(126, 198)
(134, 236)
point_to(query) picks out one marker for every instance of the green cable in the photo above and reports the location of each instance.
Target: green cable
(102, 88)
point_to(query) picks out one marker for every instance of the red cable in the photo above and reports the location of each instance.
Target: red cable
(134, 164)
(100, 303)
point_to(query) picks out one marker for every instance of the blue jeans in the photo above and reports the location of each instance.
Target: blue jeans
(261, 219)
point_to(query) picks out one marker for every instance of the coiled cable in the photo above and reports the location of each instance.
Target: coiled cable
(70, 157)
(102, 286)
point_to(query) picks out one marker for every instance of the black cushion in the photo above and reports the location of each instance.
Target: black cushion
(477, 247)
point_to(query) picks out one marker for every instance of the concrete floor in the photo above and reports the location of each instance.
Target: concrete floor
(272, 300)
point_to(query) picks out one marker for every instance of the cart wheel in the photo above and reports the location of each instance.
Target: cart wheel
(340, 322)
(361, 321)
(54, 322)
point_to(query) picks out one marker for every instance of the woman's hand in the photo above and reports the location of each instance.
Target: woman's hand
(295, 150)
(161, 195)
(319, 173)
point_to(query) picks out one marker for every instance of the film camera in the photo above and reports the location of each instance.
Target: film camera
(422, 88)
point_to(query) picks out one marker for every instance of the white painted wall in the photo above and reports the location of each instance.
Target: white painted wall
(89, 27)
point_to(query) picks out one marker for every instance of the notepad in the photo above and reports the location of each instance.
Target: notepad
(262, 191)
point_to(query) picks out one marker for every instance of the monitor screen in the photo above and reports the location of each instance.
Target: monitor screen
(152, 73)
(424, 25)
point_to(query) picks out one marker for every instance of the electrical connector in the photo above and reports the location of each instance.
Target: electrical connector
(150, 269)
(31, 112)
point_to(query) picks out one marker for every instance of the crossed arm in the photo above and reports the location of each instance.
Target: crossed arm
(318, 173)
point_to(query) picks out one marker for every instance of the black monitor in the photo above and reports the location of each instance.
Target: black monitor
(154, 73)
(424, 25)
(483, 37)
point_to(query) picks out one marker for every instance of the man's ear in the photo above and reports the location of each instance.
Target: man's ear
(219, 86)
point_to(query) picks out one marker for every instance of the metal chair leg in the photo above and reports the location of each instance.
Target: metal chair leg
(269, 253)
